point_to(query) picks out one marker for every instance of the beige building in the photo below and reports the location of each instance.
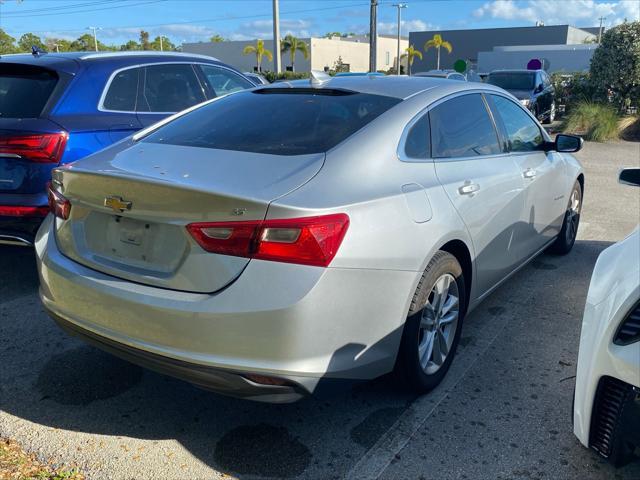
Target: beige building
(324, 53)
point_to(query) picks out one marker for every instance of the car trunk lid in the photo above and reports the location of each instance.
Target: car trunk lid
(129, 210)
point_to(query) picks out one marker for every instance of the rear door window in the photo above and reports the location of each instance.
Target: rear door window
(223, 81)
(169, 88)
(25, 90)
(278, 121)
(122, 91)
(461, 127)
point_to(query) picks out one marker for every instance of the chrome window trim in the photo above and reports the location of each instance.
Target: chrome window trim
(405, 132)
(105, 90)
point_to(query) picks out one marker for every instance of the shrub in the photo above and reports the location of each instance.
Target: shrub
(571, 89)
(593, 121)
(615, 66)
(630, 129)
(273, 76)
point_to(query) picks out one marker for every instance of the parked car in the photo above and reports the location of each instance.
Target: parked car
(607, 397)
(532, 87)
(58, 108)
(268, 258)
(450, 74)
(256, 78)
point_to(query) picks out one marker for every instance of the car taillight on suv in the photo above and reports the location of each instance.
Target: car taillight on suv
(37, 147)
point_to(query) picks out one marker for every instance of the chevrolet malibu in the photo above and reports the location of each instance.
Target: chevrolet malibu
(292, 238)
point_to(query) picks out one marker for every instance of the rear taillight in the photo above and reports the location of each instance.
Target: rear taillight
(20, 211)
(58, 205)
(308, 241)
(40, 148)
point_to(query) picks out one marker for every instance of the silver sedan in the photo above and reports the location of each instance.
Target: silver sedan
(292, 238)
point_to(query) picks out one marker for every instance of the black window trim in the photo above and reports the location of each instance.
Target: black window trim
(142, 67)
(425, 111)
(544, 133)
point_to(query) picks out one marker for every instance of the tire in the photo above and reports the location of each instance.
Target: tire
(552, 114)
(427, 334)
(567, 236)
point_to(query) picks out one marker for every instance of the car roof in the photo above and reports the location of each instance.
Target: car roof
(515, 70)
(71, 61)
(398, 86)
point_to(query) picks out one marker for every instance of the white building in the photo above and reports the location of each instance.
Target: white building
(555, 58)
(324, 53)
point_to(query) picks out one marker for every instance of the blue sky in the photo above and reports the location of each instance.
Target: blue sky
(197, 20)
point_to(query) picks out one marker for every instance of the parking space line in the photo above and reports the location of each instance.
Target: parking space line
(375, 461)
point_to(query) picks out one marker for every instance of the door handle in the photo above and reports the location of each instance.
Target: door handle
(529, 173)
(468, 188)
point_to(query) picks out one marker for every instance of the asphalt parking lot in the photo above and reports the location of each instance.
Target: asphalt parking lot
(503, 412)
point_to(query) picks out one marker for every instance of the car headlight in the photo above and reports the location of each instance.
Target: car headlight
(525, 102)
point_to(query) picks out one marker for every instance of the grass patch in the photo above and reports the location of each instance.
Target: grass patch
(16, 464)
(593, 121)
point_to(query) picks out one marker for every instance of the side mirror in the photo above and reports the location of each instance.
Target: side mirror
(568, 143)
(630, 176)
(539, 88)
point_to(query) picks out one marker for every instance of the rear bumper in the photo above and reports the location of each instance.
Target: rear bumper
(19, 231)
(210, 378)
(313, 327)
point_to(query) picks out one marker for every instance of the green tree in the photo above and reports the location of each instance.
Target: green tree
(144, 40)
(7, 43)
(57, 45)
(29, 40)
(259, 51)
(292, 45)
(85, 43)
(130, 45)
(437, 42)
(410, 54)
(615, 65)
(167, 45)
(217, 38)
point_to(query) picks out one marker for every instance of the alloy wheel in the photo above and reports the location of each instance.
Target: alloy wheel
(573, 219)
(438, 323)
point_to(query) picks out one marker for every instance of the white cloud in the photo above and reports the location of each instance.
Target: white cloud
(264, 29)
(406, 26)
(554, 12)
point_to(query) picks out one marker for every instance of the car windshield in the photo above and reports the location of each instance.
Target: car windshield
(24, 90)
(512, 80)
(279, 121)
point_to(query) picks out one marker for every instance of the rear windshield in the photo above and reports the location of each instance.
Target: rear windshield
(24, 90)
(512, 80)
(278, 121)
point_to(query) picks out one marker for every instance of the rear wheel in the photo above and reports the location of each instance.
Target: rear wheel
(432, 330)
(567, 237)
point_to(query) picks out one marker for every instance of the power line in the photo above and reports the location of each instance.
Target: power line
(61, 7)
(86, 11)
(209, 20)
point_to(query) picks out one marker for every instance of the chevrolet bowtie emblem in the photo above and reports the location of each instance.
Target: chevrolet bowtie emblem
(117, 204)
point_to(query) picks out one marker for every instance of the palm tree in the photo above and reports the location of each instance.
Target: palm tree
(259, 51)
(411, 54)
(293, 45)
(437, 42)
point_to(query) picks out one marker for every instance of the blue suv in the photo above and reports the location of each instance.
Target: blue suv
(56, 108)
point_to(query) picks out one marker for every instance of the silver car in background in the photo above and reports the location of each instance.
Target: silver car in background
(285, 240)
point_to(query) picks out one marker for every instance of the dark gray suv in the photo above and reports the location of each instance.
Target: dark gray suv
(533, 88)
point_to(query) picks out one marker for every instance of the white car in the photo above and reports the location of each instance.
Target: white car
(606, 409)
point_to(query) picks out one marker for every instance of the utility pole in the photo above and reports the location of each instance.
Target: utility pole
(399, 6)
(276, 37)
(373, 36)
(161, 46)
(600, 29)
(95, 38)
